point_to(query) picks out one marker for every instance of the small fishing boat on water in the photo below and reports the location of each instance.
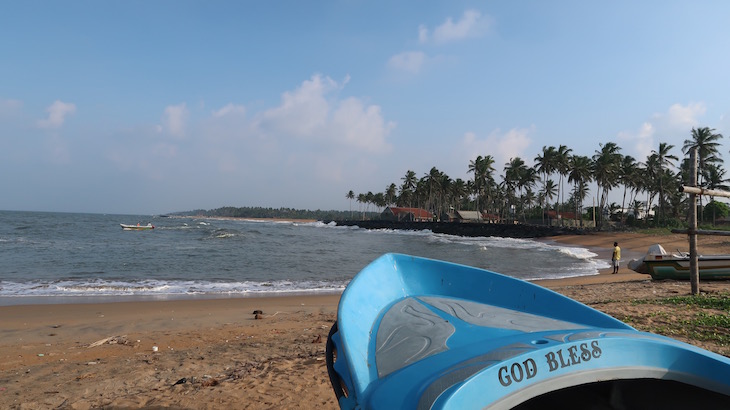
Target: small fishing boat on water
(416, 333)
(137, 227)
(663, 265)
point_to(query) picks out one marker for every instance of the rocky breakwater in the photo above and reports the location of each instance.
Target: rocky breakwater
(470, 229)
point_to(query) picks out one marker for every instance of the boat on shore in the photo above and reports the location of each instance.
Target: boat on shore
(661, 264)
(137, 227)
(416, 333)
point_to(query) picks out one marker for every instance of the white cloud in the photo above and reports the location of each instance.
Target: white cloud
(683, 117)
(302, 111)
(501, 146)
(230, 109)
(643, 140)
(174, 120)
(471, 24)
(672, 127)
(410, 61)
(57, 113)
(358, 126)
(313, 113)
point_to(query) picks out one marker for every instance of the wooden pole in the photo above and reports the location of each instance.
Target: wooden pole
(694, 274)
(703, 191)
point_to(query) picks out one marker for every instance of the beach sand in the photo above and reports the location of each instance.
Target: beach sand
(215, 354)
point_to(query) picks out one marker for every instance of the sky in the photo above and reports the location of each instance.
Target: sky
(150, 107)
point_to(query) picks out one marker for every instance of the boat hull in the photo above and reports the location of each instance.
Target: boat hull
(424, 334)
(137, 227)
(674, 268)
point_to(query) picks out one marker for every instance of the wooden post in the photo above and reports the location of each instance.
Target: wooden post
(694, 274)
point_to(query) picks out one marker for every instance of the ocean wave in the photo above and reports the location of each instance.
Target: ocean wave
(164, 288)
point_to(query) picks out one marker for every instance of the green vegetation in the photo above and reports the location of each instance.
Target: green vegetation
(282, 213)
(720, 302)
(705, 317)
(648, 188)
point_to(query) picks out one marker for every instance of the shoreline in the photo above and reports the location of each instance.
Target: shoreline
(214, 353)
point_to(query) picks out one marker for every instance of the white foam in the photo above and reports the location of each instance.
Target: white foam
(163, 288)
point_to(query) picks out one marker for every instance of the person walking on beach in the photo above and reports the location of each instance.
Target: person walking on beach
(616, 257)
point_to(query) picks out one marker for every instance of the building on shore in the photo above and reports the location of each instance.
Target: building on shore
(393, 213)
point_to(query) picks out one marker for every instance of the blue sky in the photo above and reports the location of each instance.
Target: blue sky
(162, 106)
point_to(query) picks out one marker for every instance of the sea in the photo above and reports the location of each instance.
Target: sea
(50, 257)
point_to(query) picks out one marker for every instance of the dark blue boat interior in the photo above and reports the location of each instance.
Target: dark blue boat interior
(629, 394)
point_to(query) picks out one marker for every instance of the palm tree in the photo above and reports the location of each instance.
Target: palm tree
(482, 168)
(579, 195)
(706, 141)
(638, 208)
(651, 180)
(350, 195)
(665, 160)
(432, 183)
(546, 164)
(628, 176)
(580, 175)
(563, 168)
(459, 191)
(390, 194)
(605, 171)
(361, 200)
(476, 167)
(715, 179)
(379, 201)
(407, 190)
(517, 176)
(549, 190)
(369, 199)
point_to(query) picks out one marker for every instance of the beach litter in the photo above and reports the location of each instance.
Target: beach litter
(181, 381)
(113, 340)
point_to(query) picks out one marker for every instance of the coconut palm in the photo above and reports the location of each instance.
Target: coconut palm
(517, 176)
(390, 194)
(350, 195)
(714, 176)
(459, 191)
(407, 189)
(706, 141)
(546, 164)
(563, 168)
(606, 162)
(549, 191)
(361, 199)
(580, 192)
(665, 161)
(652, 174)
(431, 181)
(482, 168)
(581, 170)
(629, 178)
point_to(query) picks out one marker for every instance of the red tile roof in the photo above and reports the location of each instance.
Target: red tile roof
(417, 212)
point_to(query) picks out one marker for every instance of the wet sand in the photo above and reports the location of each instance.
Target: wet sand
(215, 354)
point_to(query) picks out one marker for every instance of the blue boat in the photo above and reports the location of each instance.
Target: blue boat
(416, 333)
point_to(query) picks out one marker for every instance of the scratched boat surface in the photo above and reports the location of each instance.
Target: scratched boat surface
(416, 333)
